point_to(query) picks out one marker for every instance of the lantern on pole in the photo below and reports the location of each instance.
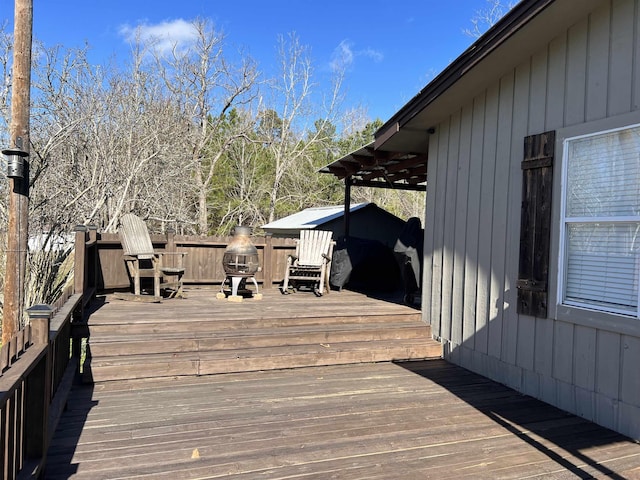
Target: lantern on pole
(15, 162)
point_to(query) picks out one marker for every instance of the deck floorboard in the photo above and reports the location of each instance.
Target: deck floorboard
(357, 420)
(418, 420)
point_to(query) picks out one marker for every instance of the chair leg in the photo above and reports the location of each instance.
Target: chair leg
(157, 277)
(321, 282)
(285, 283)
(327, 269)
(136, 278)
(156, 284)
(179, 292)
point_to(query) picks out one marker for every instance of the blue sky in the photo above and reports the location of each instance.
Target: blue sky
(394, 47)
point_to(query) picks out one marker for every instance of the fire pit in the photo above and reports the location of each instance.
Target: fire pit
(240, 263)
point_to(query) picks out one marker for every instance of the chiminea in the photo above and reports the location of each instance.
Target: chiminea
(240, 261)
(241, 256)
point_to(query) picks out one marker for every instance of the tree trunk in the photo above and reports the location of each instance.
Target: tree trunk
(202, 203)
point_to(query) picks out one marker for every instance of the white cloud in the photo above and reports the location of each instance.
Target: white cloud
(344, 55)
(374, 55)
(166, 35)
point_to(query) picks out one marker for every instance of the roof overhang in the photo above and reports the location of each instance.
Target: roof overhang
(526, 29)
(368, 167)
(397, 158)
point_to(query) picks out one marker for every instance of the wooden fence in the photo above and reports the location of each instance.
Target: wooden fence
(104, 268)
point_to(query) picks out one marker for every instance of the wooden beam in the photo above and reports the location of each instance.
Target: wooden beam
(396, 186)
(379, 173)
(339, 172)
(409, 177)
(347, 206)
(365, 160)
(406, 164)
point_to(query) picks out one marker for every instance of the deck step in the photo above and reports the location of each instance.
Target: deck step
(162, 326)
(203, 336)
(257, 359)
(104, 345)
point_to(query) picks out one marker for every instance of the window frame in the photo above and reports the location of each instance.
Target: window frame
(570, 308)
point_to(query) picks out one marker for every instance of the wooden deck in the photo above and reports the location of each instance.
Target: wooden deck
(417, 420)
(203, 335)
(163, 408)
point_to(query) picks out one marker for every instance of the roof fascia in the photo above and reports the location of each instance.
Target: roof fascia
(521, 14)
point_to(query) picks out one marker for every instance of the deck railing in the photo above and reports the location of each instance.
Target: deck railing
(36, 364)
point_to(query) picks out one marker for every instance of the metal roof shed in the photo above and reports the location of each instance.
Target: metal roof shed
(367, 221)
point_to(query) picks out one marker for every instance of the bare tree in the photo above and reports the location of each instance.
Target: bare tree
(5, 116)
(484, 18)
(92, 144)
(207, 87)
(299, 117)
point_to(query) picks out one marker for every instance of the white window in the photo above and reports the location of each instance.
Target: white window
(600, 235)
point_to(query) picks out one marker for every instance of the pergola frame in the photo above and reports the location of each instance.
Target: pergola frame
(369, 167)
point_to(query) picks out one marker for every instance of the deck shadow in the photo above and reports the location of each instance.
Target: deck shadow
(69, 430)
(524, 416)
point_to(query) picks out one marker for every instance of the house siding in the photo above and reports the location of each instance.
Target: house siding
(590, 73)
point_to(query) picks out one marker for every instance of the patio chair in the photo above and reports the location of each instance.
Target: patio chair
(142, 261)
(311, 262)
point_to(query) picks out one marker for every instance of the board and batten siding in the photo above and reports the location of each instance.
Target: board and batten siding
(589, 367)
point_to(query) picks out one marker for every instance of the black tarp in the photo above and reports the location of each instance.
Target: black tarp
(408, 252)
(363, 264)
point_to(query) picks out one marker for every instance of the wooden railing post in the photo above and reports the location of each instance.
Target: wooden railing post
(170, 246)
(80, 259)
(80, 271)
(171, 240)
(91, 259)
(38, 392)
(267, 268)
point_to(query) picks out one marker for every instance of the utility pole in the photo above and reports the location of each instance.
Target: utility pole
(18, 171)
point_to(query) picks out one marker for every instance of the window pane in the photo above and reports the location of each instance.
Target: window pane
(603, 176)
(602, 265)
